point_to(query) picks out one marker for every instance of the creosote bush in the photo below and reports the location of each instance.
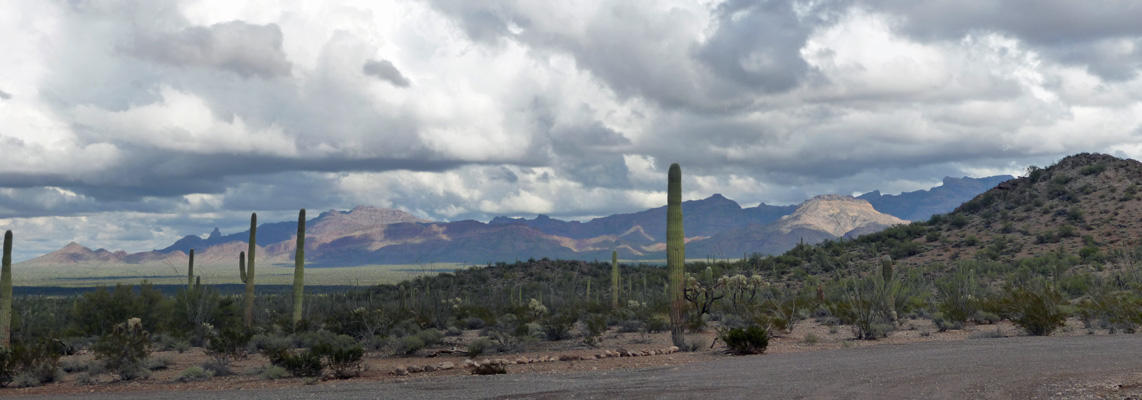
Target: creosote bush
(751, 340)
(124, 349)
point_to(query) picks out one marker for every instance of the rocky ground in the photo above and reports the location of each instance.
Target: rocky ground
(615, 351)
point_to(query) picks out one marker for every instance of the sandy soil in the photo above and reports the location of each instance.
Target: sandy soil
(806, 336)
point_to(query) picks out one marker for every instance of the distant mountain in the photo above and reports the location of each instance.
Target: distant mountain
(923, 204)
(715, 226)
(816, 220)
(704, 218)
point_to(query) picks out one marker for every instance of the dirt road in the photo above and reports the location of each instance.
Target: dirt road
(1020, 368)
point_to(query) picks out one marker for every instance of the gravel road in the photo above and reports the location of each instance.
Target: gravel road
(1020, 368)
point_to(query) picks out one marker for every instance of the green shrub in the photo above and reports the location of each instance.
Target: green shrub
(194, 373)
(430, 336)
(407, 345)
(479, 346)
(1035, 308)
(305, 363)
(751, 340)
(123, 350)
(342, 359)
(273, 372)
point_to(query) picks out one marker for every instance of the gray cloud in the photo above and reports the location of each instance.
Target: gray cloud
(522, 108)
(384, 70)
(5, 95)
(237, 46)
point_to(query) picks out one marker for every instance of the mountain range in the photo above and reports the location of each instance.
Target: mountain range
(715, 227)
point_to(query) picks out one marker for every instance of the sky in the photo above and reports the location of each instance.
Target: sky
(129, 124)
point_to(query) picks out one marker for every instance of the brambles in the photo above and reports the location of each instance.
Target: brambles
(750, 340)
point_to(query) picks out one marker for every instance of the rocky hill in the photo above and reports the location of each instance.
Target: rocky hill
(1085, 209)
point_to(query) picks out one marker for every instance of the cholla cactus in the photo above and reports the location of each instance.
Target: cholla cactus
(537, 307)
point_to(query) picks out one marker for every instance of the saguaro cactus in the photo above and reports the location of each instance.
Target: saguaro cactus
(891, 288)
(242, 265)
(299, 268)
(6, 293)
(615, 279)
(190, 272)
(675, 252)
(248, 301)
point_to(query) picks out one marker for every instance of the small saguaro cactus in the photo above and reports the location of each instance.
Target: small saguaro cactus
(190, 272)
(248, 301)
(242, 265)
(6, 293)
(615, 279)
(299, 268)
(675, 253)
(891, 287)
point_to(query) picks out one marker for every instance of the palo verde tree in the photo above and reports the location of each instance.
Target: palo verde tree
(675, 253)
(299, 268)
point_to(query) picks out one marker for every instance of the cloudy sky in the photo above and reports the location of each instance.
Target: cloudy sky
(126, 125)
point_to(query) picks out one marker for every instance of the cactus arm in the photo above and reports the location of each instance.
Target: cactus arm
(242, 266)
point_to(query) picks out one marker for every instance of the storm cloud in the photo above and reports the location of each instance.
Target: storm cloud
(170, 118)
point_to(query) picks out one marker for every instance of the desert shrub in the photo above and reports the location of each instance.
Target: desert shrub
(194, 373)
(475, 323)
(224, 347)
(453, 331)
(430, 336)
(74, 365)
(596, 325)
(1034, 307)
(157, 363)
(558, 326)
(31, 364)
(407, 345)
(260, 342)
(343, 359)
(751, 340)
(479, 346)
(123, 350)
(489, 369)
(273, 372)
(306, 363)
(308, 339)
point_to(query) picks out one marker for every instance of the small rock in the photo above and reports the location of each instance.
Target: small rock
(415, 369)
(673, 349)
(447, 365)
(468, 363)
(429, 368)
(400, 371)
(566, 357)
(521, 360)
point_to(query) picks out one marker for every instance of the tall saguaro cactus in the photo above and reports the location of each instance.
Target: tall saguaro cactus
(190, 273)
(248, 301)
(299, 268)
(6, 293)
(675, 252)
(615, 279)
